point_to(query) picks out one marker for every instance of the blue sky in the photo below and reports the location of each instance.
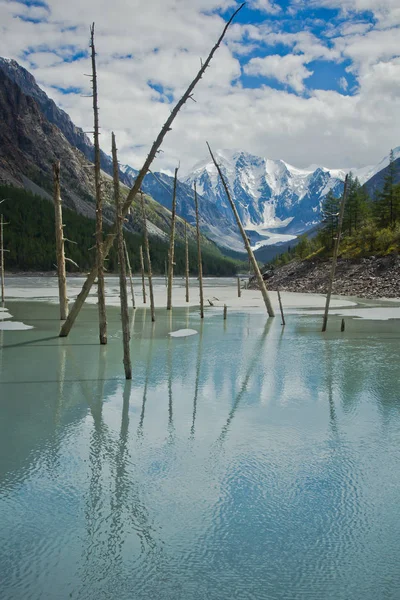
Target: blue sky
(326, 74)
(309, 81)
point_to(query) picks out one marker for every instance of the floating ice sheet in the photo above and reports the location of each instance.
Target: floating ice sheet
(183, 333)
(378, 313)
(14, 326)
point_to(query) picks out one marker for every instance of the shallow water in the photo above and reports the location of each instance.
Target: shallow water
(248, 461)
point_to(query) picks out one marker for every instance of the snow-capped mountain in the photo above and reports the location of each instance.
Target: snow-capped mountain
(269, 194)
(214, 224)
(276, 201)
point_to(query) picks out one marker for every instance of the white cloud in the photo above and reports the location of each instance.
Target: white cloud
(265, 6)
(302, 42)
(387, 12)
(343, 84)
(163, 41)
(288, 69)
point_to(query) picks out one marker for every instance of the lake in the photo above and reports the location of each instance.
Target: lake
(245, 461)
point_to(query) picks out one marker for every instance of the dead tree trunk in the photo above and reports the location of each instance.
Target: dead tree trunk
(60, 252)
(122, 267)
(99, 204)
(256, 268)
(147, 249)
(200, 264)
(66, 328)
(128, 264)
(2, 258)
(186, 263)
(281, 308)
(142, 271)
(238, 287)
(171, 254)
(335, 253)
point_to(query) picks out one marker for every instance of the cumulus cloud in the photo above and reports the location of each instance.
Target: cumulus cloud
(387, 12)
(265, 6)
(288, 69)
(148, 53)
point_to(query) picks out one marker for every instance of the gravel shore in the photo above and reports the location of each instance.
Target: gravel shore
(373, 277)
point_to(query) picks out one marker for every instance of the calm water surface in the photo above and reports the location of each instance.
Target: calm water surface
(243, 462)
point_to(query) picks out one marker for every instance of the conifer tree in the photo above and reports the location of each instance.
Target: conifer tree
(356, 209)
(330, 218)
(386, 207)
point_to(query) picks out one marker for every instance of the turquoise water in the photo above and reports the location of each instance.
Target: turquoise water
(247, 461)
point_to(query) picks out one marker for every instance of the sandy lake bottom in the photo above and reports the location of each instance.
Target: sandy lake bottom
(244, 460)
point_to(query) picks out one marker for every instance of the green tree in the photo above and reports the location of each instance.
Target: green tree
(330, 219)
(386, 206)
(356, 207)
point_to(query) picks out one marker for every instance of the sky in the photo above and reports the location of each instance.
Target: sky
(306, 81)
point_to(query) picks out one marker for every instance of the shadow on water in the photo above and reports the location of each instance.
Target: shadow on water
(197, 381)
(146, 382)
(253, 362)
(329, 378)
(37, 341)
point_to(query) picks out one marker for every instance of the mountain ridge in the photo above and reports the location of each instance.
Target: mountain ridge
(276, 200)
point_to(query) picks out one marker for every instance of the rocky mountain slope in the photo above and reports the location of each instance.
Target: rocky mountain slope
(372, 277)
(75, 135)
(30, 143)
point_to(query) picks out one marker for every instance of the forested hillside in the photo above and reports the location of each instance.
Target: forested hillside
(29, 239)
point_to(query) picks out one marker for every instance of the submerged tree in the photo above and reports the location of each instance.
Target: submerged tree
(122, 266)
(171, 253)
(60, 253)
(66, 328)
(101, 297)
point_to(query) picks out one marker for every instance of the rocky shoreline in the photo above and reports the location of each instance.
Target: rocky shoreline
(372, 277)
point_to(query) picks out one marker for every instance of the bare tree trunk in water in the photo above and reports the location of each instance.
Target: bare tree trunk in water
(335, 253)
(66, 328)
(122, 267)
(281, 308)
(200, 264)
(99, 205)
(2, 258)
(186, 263)
(171, 254)
(142, 271)
(60, 253)
(253, 261)
(147, 249)
(128, 264)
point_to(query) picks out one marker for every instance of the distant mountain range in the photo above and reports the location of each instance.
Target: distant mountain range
(276, 201)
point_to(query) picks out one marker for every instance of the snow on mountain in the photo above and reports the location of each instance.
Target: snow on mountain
(366, 173)
(270, 194)
(275, 200)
